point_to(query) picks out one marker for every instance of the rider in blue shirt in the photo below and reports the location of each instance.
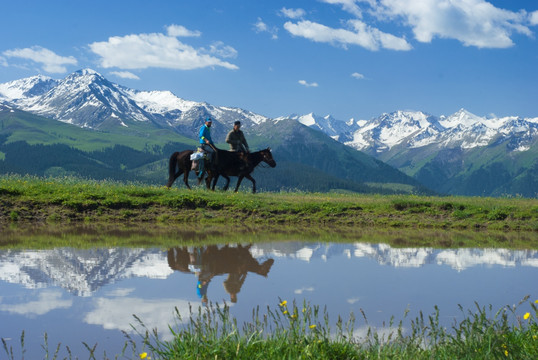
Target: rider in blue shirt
(206, 144)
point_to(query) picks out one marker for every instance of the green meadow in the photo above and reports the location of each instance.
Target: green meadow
(28, 200)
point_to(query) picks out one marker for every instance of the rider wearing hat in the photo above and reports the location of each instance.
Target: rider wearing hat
(236, 139)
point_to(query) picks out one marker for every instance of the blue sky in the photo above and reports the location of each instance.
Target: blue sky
(347, 58)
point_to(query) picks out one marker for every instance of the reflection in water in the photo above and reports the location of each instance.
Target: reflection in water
(210, 261)
(96, 291)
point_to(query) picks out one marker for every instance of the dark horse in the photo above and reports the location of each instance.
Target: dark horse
(228, 164)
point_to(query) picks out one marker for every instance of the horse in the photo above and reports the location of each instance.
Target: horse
(238, 164)
(180, 161)
(229, 164)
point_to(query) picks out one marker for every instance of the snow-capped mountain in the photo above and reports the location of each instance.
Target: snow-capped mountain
(338, 130)
(24, 88)
(415, 129)
(86, 99)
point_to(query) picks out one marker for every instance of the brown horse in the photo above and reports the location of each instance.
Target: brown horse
(229, 164)
(238, 164)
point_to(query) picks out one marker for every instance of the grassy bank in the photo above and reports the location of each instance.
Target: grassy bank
(31, 200)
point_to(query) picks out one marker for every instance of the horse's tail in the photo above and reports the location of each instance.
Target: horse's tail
(172, 169)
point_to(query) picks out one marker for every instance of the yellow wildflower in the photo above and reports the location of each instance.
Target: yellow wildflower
(526, 316)
(505, 352)
(143, 355)
(285, 312)
(294, 316)
(312, 326)
(283, 303)
(536, 302)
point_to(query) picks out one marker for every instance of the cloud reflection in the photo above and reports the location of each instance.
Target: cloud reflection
(117, 313)
(48, 300)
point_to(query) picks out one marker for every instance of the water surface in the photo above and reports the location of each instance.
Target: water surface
(90, 296)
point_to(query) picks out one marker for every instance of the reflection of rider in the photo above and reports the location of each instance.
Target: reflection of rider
(211, 261)
(206, 144)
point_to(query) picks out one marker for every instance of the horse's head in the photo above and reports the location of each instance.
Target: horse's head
(267, 157)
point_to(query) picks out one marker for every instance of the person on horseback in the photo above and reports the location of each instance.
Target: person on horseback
(206, 143)
(236, 139)
(238, 143)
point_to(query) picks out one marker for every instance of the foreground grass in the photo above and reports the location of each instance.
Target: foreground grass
(292, 331)
(37, 200)
(304, 332)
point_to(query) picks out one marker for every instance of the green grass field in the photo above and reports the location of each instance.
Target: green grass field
(36, 199)
(61, 203)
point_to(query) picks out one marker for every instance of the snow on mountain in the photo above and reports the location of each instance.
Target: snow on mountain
(85, 98)
(415, 129)
(160, 102)
(336, 129)
(23, 88)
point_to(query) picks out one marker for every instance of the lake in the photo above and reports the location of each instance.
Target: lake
(79, 295)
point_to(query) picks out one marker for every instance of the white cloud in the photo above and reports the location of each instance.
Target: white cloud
(3, 61)
(178, 30)
(51, 62)
(348, 5)
(47, 301)
(472, 22)
(293, 13)
(125, 75)
(307, 84)
(533, 17)
(156, 50)
(359, 34)
(357, 75)
(260, 27)
(224, 51)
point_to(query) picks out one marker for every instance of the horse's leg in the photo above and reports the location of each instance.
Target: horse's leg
(253, 183)
(172, 175)
(227, 183)
(210, 176)
(239, 182)
(186, 177)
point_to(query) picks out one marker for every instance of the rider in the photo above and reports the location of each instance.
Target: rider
(206, 144)
(238, 143)
(236, 139)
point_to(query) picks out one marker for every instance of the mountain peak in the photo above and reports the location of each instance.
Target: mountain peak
(87, 71)
(27, 87)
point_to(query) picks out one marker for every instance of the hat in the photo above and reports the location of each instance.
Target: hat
(208, 119)
(237, 123)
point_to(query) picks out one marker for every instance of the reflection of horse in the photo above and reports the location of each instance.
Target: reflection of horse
(212, 261)
(229, 163)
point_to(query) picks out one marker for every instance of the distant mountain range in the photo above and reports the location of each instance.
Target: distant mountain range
(458, 154)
